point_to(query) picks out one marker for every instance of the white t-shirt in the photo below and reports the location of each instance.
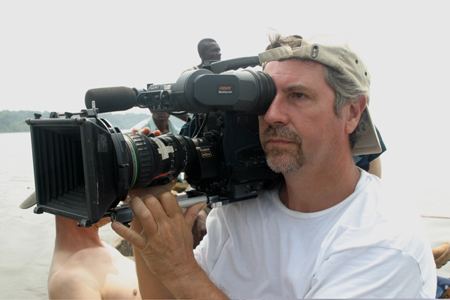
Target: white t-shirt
(259, 249)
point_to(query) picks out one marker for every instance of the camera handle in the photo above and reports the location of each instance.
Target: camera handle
(189, 198)
(232, 64)
(124, 215)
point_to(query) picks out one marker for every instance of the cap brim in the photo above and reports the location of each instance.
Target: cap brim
(367, 141)
(29, 201)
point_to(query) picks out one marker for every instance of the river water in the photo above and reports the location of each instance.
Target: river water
(27, 238)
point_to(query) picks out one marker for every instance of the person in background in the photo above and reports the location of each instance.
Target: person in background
(85, 267)
(441, 255)
(328, 230)
(209, 52)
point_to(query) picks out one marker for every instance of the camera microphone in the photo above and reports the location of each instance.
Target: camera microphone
(111, 98)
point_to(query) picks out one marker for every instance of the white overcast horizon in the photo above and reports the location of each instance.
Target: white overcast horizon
(52, 52)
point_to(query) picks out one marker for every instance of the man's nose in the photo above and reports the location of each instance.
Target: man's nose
(276, 113)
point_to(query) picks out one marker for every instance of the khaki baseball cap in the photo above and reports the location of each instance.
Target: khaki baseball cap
(342, 60)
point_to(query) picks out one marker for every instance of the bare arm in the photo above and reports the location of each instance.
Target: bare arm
(441, 254)
(165, 261)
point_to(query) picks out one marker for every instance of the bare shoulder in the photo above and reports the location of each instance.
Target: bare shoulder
(73, 283)
(95, 272)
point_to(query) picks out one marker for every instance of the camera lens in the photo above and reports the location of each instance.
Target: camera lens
(155, 158)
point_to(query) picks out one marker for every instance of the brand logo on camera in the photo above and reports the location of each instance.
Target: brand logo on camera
(224, 89)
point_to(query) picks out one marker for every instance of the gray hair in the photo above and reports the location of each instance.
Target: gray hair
(345, 89)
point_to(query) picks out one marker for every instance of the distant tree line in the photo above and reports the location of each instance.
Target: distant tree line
(14, 121)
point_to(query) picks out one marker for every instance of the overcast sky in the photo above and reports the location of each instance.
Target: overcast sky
(53, 51)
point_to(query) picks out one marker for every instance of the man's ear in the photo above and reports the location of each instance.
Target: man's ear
(355, 110)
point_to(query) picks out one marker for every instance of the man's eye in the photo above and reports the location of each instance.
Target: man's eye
(296, 95)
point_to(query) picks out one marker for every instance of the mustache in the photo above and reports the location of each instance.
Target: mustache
(280, 132)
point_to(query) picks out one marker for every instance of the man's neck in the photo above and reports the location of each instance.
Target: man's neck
(71, 237)
(310, 190)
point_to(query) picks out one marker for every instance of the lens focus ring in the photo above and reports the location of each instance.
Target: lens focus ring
(145, 160)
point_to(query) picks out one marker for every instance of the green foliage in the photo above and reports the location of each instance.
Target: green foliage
(14, 121)
(124, 120)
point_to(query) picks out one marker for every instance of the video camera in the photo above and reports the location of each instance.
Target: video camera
(84, 167)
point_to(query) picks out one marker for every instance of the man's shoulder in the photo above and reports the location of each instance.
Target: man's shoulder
(264, 197)
(249, 208)
(376, 203)
(73, 282)
(377, 219)
(93, 273)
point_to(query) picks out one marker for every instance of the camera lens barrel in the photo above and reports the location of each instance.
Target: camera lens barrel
(152, 158)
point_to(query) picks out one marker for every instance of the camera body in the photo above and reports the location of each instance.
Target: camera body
(84, 166)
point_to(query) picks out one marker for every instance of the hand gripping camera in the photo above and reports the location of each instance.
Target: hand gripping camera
(84, 167)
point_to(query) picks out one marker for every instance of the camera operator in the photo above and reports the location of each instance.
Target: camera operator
(327, 230)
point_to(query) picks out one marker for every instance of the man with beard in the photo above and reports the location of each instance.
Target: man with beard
(326, 231)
